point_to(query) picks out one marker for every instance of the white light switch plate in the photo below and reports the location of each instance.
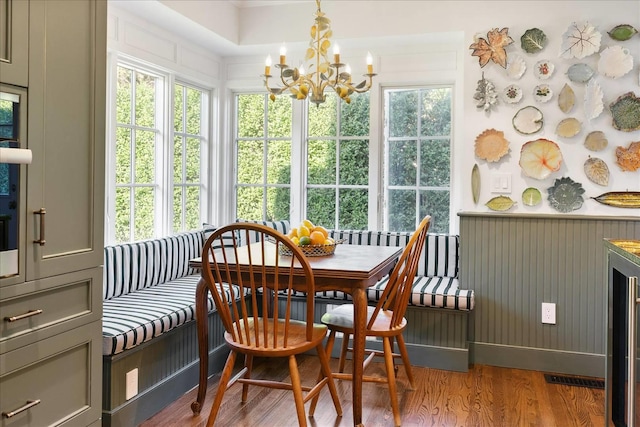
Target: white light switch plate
(501, 183)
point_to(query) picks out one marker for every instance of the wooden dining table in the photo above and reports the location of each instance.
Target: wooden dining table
(351, 269)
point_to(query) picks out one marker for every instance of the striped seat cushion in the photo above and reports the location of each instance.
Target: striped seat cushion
(282, 226)
(137, 317)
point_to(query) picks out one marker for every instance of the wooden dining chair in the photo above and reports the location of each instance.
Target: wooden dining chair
(262, 323)
(385, 320)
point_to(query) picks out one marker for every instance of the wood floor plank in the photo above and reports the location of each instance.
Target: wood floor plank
(485, 396)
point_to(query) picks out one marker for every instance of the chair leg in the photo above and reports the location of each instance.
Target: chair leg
(405, 360)
(326, 372)
(222, 387)
(391, 380)
(248, 363)
(297, 391)
(343, 351)
(327, 351)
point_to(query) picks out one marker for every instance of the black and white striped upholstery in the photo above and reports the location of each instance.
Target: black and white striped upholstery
(282, 226)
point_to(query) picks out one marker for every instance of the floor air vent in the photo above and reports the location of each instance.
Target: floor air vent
(574, 381)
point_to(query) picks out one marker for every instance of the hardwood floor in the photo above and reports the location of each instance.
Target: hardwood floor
(485, 396)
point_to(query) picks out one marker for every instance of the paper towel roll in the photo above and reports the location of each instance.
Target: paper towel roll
(15, 155)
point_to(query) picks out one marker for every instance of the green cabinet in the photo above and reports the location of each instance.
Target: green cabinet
(14, 41)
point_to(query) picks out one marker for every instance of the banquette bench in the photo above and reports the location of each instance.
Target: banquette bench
(149, 331)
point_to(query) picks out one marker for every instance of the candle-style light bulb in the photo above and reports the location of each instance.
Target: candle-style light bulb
(283, 55)
(369, 63)
(347, 70)
(336, 54)
(301, 70)
(267, 65)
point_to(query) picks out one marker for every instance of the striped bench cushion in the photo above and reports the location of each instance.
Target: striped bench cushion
(137, 317)
(129, 267)
(282, 226)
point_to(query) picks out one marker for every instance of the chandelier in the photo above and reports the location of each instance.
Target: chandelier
(323, 74)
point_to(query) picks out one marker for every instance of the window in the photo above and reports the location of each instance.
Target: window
(155, 175)
(338, 163)
(417, 157)
(263, 157)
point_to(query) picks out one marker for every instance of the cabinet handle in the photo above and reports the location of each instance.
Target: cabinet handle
(29, 404)
(41, 240)
(23, 316)
(631, 343)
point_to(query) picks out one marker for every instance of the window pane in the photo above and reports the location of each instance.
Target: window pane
(250, 162)
(354, 117)
(123, 96)
(145, 100)
(178, 108)
(193, 160)
(194, 111)
(354, 208)
(279, 162)
(249, 203)
(192, 208)
(435, 163)
(436, 204)
(354, 162)
(278, 203)
(402, 210)
(279, 113)
(323, 118)
(177, 209)
(178, 160)
(123, 215)
(321, 162)
(145, 157)
(321, 206)
(402, 162)
(123, 155)
(436, 112)
(144, 213)
(403, 113)
(251, 116)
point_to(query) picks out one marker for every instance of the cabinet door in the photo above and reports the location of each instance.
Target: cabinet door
(67, 80)
(14, 41)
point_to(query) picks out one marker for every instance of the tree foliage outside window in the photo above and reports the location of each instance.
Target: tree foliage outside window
(418, 157)
(143, 185)
(263, 157)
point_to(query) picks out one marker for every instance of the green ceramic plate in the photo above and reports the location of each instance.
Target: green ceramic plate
(531, 196)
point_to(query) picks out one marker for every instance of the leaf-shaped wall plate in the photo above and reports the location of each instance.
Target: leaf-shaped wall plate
(568, 128)
(531, 196)
(565, 195)
(593, 105)
(626, 112)
(580, 73)
(580, 40)
(533, 40)
(540, 158)
(475, 183)
(615, 61)
(620, 199)
(629, 158)
(622, 32)
(492, 48)
(566, 99)
(500, 203)
(528, 120)
(516, 67)
(596, 141)
(597, 171)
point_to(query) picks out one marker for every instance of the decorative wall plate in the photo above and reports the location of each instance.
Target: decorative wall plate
(566, 99)
(528, 120)
(565, 195)
(596, 141)
(516, 67)
(580, 73)
(485, 94)
(622, 32)
(491, 145)
(540, 158)
(533, 40)
(531, 196)
(512, 94)
(542, 93)
(543, 69)
(580, 40)
(620, 199)
(626, 112)
(629, 158)
(500, 203)
(568, 128)
(475, 183)
(593, 105)
(597, 171)
(492, 48)
(615, 61)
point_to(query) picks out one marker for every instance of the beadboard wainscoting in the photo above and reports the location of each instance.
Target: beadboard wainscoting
(516, 262)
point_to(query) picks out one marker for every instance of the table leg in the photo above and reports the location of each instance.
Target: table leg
(203, 343)
(360, 319)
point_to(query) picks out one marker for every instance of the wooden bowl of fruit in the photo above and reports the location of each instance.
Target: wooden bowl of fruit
(312, 239)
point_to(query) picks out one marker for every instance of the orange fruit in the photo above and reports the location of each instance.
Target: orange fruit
(321, 229)
(317, 238)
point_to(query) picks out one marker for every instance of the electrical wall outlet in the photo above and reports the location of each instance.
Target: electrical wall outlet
(549, 313)
(131, 385)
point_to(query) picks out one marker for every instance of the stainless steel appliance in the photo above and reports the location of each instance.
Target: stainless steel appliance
(13, 156)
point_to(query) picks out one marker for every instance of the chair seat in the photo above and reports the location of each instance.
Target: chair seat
(296, 339)
(341, 319)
